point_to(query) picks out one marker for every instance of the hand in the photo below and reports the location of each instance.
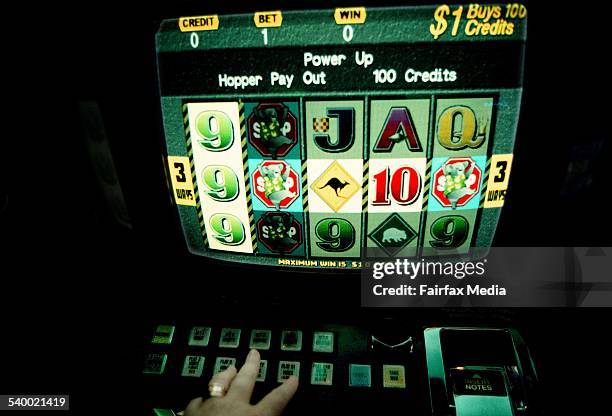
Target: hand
(239, 388)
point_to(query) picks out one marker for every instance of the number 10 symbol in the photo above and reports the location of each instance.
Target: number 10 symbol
(404, 186)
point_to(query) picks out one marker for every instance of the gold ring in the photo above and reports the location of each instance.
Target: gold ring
(216, 390)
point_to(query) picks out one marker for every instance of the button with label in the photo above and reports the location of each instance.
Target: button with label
(199, 336)
(322, 374)
(360, 375)
(260, 339)
(394, 376)
(287, 369)
(223, 363)
(193, 366)
(323, 342)
(230, 338)
(155, 363)
(291, 341)
(263, 370)
(163, 334)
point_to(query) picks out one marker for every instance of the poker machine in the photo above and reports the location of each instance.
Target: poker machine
(299, 144)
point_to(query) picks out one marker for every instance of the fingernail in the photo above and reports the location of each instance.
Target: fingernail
(252, 353)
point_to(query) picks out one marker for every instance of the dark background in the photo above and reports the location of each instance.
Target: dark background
(78, 287)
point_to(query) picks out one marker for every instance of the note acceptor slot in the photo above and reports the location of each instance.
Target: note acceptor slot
(479, 371)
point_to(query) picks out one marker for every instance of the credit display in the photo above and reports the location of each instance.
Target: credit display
(320, 138)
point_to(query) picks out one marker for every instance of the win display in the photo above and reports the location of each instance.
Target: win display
(322, 138)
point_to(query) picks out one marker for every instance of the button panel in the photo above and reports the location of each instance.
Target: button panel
(284, 357)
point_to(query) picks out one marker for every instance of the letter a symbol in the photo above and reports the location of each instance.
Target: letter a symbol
(397, 128)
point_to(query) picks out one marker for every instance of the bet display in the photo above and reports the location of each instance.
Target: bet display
(318, 139)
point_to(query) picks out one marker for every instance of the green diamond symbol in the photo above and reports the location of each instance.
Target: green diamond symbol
(393, 234)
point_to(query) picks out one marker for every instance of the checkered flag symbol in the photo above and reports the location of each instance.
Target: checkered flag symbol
(320, 125)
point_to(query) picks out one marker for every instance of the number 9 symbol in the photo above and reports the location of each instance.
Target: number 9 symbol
(221, 183)
(215, 129)
(228, 229)
(335, 234)
(449, 232)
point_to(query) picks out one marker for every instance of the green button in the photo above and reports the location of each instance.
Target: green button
(263, 369)
(291, 340)
(322, 374)
(287, 369)
(260, 339)
(193, 366)
(360, 375)
(223, 363)
(163, 334)
(155, 363)
(230, 338)
(199, 336)
(323, 342)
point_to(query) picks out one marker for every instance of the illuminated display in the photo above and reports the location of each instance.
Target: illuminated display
(317, 139)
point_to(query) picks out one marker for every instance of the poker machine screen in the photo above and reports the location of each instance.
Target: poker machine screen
(318, 138)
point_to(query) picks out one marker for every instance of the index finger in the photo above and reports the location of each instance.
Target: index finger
(276, 401)
(243, 384)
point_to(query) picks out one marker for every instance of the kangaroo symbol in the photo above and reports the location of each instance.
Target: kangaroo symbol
(336, 184)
